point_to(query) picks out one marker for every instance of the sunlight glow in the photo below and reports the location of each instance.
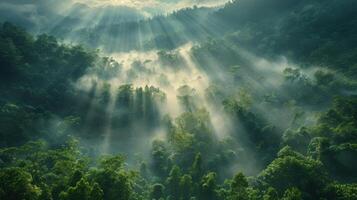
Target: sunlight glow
(154, 7)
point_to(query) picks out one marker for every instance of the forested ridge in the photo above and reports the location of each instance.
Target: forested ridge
(252, 100)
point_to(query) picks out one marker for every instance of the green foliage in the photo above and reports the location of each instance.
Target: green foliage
(197, 168)
(298, 140)
(292, 169)
(39, 172)
(187, 97)
(208, 187)
(305, 34)
(342, 191)
(159, 158)
(36, 76)
(96, 192)
(196, 123)
(292, 194)
(115, 182)
(15, 183)
(171, 59)
(258, 135)
(137, 105)
(112, 163)
(337, 142)
(316, 160)
(82, 190)
(157, 191)
(173, 183)
(239, 186)
(270, 194)
(186, 186)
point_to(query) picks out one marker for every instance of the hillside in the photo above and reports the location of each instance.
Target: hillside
(253, 99)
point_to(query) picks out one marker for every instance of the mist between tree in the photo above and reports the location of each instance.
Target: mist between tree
(250, 100)
(188, 100)
(211, 107)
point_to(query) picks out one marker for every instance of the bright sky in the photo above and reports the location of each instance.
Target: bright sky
(155, 5)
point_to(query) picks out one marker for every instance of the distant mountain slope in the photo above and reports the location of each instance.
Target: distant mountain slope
(317, 32)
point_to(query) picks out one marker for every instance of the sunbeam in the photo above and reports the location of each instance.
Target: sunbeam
(178, 99)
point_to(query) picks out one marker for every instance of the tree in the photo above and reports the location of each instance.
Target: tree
(82, 190)
(239, 187)
(187, 98)
(77, 176)
(337, 138)
(115, 182)
(298, 140)
(9, 59)
(157, 191)
(270, 194)
(96, 192)
(208, 187)
(16, 184)
(317, 146)
(292, 169)
(186, 187)
(159, 154)
(144, 171)
(197, 168)
(292, 194)
(112, 163)
(173, 182)
(341, 191)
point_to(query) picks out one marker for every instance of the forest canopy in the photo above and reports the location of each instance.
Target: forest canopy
(245, 101)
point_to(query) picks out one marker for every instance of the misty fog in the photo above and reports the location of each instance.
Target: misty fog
(178, 99)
